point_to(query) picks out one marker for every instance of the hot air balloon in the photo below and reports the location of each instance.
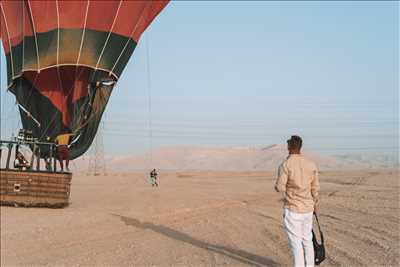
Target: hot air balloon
(64, 58)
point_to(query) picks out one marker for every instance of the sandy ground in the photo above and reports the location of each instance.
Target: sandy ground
(202, 219)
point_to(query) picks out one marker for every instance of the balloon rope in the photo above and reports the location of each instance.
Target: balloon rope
(34, 34)
(75, 73)
(23, 33)
(108, 36)
(78, 58)
(8, 38)
(150, 125)
(148, 4)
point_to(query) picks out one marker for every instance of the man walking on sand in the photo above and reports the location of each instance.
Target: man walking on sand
(153, 177)
(298, 181)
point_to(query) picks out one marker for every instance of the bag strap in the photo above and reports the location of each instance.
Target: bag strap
(319, 228)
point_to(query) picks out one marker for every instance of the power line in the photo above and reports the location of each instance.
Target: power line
(216, 133)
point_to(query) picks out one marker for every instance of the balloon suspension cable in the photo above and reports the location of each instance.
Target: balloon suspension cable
(29, 114)
(150, 123)
(74, 140)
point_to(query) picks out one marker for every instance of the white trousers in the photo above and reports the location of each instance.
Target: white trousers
(298, 227)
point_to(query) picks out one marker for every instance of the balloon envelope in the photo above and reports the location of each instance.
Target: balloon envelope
(64, 57)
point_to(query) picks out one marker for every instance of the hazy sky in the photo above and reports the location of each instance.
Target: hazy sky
(253, 73)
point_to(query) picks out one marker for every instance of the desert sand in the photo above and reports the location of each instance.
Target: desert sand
(202, 219)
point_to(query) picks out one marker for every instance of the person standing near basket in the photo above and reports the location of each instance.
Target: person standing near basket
(62, 142)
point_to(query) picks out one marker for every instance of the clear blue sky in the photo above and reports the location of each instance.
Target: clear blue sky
(253, 73)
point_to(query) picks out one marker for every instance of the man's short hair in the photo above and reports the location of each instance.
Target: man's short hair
(295, 142)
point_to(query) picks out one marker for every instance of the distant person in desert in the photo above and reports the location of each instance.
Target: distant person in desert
(153, 177)
(62, 142)
(299, 183)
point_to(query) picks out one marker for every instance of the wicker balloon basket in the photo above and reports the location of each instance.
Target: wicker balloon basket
(34, 188)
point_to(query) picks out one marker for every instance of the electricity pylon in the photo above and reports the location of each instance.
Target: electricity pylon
(97, 163)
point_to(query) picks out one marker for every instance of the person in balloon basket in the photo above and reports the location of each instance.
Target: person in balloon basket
(299, 183)
(20, 162)
(62, 142)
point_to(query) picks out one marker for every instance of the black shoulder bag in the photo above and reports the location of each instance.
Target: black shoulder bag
(319, 249)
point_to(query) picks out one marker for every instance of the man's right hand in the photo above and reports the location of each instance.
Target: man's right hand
(316, 204)
(316, 208)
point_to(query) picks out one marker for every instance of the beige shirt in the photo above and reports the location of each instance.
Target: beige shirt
(298, 180)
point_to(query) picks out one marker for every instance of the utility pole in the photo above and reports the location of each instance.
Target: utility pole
(97, 163)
